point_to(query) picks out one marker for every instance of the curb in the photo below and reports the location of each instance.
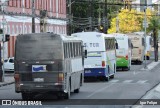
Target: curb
(5, 84)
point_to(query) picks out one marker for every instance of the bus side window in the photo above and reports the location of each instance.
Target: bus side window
(80, 51)
(108, 43)
(113, 42)
(69, 50)
(64, 47)
(130, 44)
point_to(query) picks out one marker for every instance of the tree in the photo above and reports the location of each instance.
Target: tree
(81, 12)
(154, 26)
(129, 21)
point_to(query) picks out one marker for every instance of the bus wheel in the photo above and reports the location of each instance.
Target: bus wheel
(106, 78)
(112, 76)
(76, 90)
(140, 62)
(128, 68)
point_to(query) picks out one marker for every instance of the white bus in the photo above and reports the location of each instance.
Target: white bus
(138, 47)
(101, 57)
(123, 53)
(48, 63)
(148, 44)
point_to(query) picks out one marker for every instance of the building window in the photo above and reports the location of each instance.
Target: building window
(25, 30)
(8, 30)
(30, 30)
(50, 29)
(20, 29)
(36, 29)
(17, 30)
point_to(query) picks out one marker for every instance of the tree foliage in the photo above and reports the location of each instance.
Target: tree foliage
(129, 21)
(81, 12)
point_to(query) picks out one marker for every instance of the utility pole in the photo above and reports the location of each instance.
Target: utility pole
(3, 4)
(90, 16)
(104, 16)
(99, 19)
(70, 17)
(43, 20)
(33, 16)
(145, 25)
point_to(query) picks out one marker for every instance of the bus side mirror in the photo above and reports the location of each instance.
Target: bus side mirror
(85, 54)
(116, 45)
(131, 46)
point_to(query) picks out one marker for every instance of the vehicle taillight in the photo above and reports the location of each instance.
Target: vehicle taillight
(60, 77)
(17, 78)
(139, 51)
(126, 57)
(103, 64)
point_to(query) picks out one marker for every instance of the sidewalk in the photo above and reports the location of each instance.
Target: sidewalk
(8, 79)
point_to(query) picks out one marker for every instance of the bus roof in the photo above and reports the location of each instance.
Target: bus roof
(62, 36)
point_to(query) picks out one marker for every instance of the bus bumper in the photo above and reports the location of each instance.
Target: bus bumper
(95, 72)
(122, 62)
(47, 87)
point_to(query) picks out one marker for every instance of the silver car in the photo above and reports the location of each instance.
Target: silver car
(9, 64)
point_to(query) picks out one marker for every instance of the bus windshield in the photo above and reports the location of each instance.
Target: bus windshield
(38, 48)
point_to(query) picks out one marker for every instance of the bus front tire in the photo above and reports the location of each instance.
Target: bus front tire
(76, 90)
(128, 68)
(106, 78)
(112, 76)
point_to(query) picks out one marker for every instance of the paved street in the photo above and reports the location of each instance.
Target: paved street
(132, 84)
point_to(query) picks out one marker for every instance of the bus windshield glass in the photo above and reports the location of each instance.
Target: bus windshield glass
(40, 47)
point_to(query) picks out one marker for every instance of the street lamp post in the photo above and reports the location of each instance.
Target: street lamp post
(145, 25)
(70, 16)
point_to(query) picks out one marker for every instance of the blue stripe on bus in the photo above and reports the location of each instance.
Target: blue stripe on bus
(95, 72)
(88, 72)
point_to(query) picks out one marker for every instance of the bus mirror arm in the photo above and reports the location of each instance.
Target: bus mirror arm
(116, 45)
(85, 53)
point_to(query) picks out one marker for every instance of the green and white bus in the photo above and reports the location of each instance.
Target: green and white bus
(123, 53)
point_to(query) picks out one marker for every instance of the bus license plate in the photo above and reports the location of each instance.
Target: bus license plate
(38, 80)
(87, 71)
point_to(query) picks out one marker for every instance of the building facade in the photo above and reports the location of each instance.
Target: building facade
(139, 4)
(22, 24)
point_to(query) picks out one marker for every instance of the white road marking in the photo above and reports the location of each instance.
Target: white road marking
(127, 81)
(114, 81)
(135, 73)
(99, 90)
(142, 81)
(151, 65)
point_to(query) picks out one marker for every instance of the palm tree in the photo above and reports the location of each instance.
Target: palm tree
(155, 26)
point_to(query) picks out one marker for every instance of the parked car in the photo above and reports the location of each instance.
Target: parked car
(9, 64)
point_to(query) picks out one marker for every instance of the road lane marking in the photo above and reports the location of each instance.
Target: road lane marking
(127, 81)
(151, 65)
(99, 90)
(114, 81)
(142, 81)
(135, 73)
